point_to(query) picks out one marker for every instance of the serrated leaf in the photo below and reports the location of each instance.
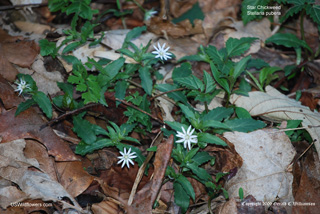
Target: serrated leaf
(314, 12)
(82, 8)
(44, 103)
(186, 185)
(83, 148)
(245, 125)
(184, 70)
(292, 11)
(65, 87)
(222, 82)
(212, 139)
(208, 82)
(84, 129)
(146, 81)
(215, 55)
(24, 106)
(113, 68)
(189, 113)
(190, 82)
(218, 114)
(240, 66)
(135, 32)
(47, 48)
(201, 158)
(181, 198)
(288, 40)
(237, 47)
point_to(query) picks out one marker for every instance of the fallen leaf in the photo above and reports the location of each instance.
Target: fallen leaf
(73, 177)
(266, 156)
(277, 107)
(32, 27)
(27, 125)
(8, 97)
(7, 70)
(145, 198)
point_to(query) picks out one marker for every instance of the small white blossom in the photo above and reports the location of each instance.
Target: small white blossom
(22, 86)
(161, 52)
(126, 157)
(149, 13)
(186, 137)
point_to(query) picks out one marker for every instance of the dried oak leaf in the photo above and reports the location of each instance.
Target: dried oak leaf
(27, 125)
(144, 198)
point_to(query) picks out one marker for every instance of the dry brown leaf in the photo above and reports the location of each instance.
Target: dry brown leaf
(32, 27)
(7, 95)
(266, 156)
(7, 70)
(277, 107)
(27, 125)
(73, 177)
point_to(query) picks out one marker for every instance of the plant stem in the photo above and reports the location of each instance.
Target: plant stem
(302, 31)
(206, 107)
(158, 95)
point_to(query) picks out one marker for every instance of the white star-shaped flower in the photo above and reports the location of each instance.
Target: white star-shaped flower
(149, 13)
(161, 52)
(186, 137)
(22, 85)
(126, 157)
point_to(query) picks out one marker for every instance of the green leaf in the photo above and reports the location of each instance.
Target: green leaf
(44, 103)
(313, 11)
(201, 158)
(265, 73)
(189, 113)
(146, 81)
(65, 87)
(288, 40)
(222, 82)
(218, 114)
(190, 82)
(83, 148)
(71, 47)
(177, 126)
(192, 58)
(24, 106)
(212, 139)
(126, 52)
(113, 68)
(208, 82)
(194, 13)
(178, 96)
(214, 124)
(257, 63)
(120, 88)
(184, 70)
(250, 11)
(240, 66)
(292, 124)
(242, 113)
(201, 173)
(48, 48)
(152, 149)
(135, 32)
(82, 8)
(237, 47)
(181, 198)
(241, 195)
(245, 125)
(186, 185)
(295, 9)
(84, 129)
(215, 55)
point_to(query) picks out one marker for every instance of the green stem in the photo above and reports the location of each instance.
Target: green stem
(139, 5)
(206, 107)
